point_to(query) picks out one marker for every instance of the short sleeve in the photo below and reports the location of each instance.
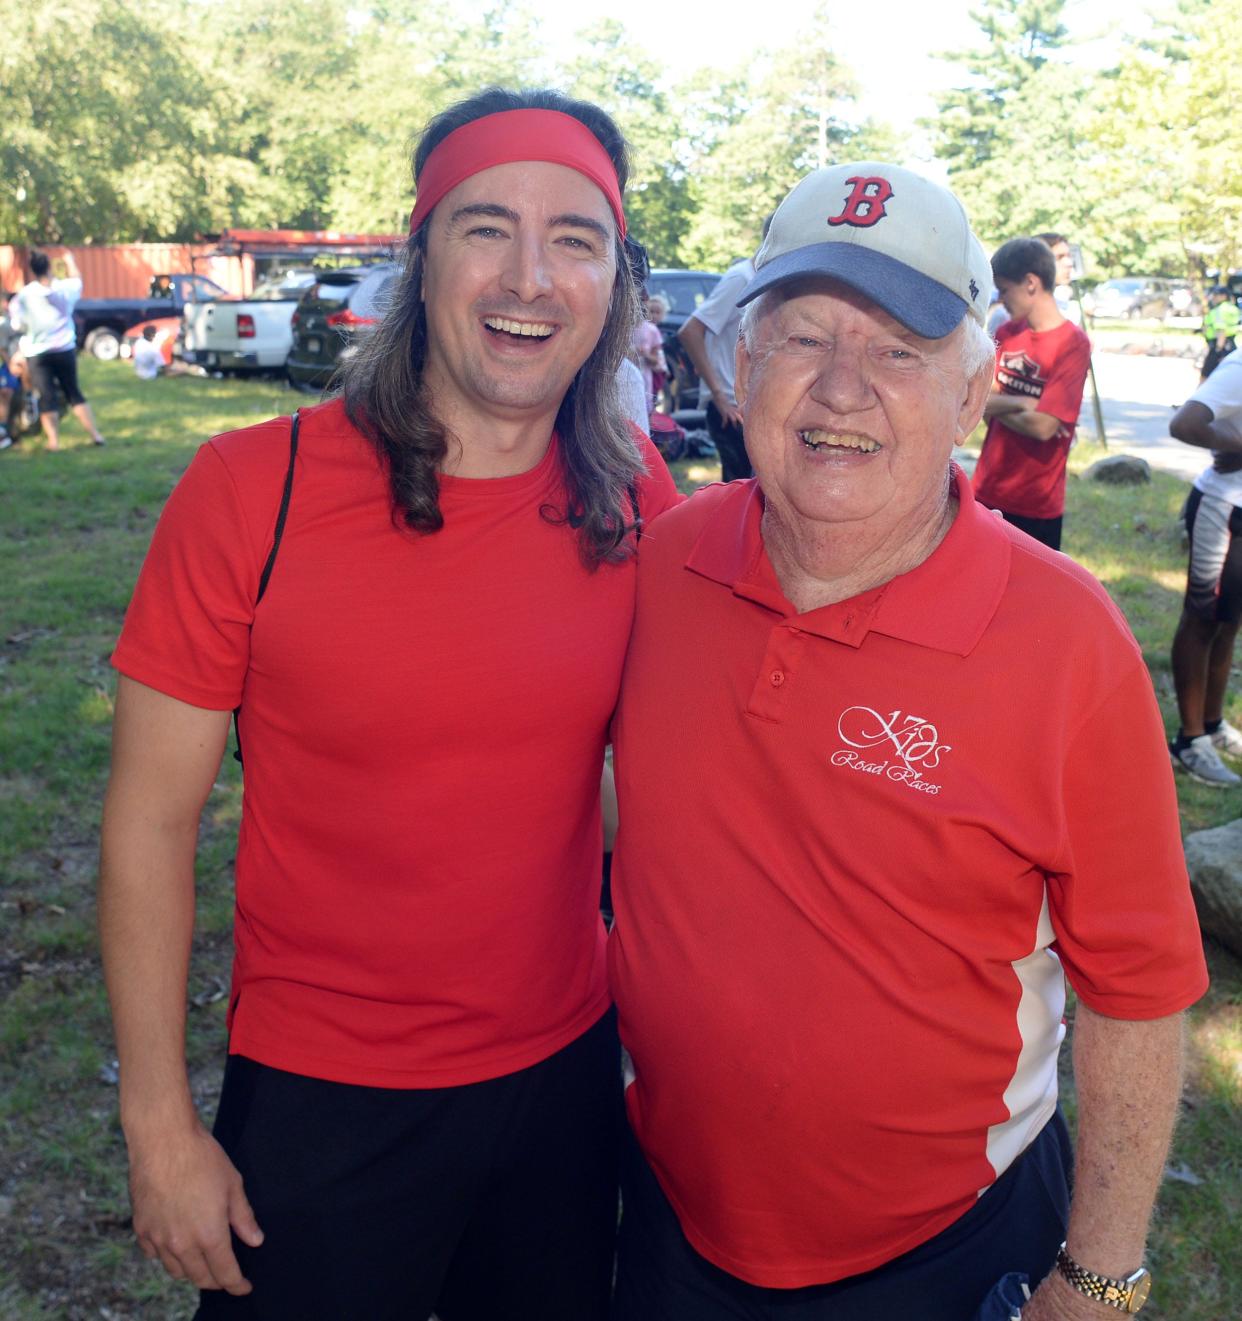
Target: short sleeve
(1222, 391)
(1120, 905)
(1062, 395)
(187, 629)
(716, 310)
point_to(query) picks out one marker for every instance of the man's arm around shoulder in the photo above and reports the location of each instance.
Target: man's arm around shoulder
(185, 1192)
(1129, 1081)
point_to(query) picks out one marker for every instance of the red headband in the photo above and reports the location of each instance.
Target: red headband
(515, 135)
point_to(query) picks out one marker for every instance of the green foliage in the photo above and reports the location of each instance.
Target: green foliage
(168, 119)
(615, 74)
(1136, 162)
(767, 124)
(1018, 37)
(74, 527)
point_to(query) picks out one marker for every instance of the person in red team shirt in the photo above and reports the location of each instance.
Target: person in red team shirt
(904, 817)
(420, 1104)
(1041, 367)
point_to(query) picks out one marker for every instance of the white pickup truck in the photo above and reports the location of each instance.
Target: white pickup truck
(250, 334)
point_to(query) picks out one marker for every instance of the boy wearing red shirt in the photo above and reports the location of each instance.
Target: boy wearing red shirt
(1041, 367)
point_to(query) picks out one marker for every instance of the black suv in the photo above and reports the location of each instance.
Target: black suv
(683, 291)
(333, 312)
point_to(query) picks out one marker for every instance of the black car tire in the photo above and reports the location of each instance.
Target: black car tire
(302, 387)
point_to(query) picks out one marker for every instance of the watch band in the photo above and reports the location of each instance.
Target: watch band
(1126, 1295)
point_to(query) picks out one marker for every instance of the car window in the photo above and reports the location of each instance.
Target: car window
(200, 287)
(288, 286)
(683, 291)
(331, 290)
(373, 294)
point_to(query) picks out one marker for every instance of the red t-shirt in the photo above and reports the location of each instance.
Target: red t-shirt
(424, 719)
(857, 848)
(1016, 473)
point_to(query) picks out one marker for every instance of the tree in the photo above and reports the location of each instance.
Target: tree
(616, 75)
(781, 115)
(1019, 36)
(414, 60)
(109, 123)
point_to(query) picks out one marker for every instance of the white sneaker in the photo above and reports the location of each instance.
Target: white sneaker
(1228, 739)
(1200, 760)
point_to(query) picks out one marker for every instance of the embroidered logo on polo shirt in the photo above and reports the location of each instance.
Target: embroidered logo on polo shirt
(909, 745)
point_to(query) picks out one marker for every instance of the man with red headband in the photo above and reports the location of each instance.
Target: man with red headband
(420, 1103)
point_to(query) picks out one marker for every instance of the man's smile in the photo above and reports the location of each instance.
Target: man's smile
(820, 440)
(499, 325)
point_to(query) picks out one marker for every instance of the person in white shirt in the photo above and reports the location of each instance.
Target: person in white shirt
(1204, 641)
(148, 360)
(43, 312)
(709, 336)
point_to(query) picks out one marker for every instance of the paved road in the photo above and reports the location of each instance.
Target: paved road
(1138, 394)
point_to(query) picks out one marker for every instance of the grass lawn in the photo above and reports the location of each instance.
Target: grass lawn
(74, 527)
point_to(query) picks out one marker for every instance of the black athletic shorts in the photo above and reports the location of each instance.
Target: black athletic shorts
(1045, 530)
(1016, 1226)
(495, 1201)
(48, 371)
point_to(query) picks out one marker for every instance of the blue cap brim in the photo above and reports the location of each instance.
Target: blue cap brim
(916, 300)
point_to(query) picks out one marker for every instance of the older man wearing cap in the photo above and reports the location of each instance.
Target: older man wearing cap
(937, 780)
(422, 1095)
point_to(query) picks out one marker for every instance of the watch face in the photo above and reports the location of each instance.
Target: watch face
(1138, 1295)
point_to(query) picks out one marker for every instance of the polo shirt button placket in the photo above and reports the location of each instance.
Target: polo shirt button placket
(771, 693)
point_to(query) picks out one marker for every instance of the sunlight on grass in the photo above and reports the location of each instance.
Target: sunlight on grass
(76, 527)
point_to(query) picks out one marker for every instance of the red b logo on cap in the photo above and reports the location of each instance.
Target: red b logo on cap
(865, 205)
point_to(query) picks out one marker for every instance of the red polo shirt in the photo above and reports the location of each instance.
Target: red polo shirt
(857, 848)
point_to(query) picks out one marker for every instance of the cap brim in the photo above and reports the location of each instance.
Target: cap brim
(920, 303)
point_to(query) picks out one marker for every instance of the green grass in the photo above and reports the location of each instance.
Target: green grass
(73, 529)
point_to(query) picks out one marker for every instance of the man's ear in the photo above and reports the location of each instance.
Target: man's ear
(971, 412)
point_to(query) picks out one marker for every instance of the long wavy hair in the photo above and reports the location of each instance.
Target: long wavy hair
(387, 401)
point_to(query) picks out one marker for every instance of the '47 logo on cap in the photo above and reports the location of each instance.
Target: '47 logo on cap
(865, 204)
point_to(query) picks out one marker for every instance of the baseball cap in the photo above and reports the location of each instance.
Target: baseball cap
(899, 239)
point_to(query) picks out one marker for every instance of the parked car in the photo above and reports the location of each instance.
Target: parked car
(248, 335)
(1140, 297)
(101, 323)
(683, 291)
(331, 315)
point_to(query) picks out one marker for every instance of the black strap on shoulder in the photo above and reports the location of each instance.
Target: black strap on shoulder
(282, 514)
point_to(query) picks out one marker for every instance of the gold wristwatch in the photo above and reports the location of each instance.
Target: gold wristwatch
(1126, 1295)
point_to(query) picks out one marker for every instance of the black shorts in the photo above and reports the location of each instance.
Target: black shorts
(488, 1201)
(1045, 530)
(1016, 1226)
(51, 370)
(1214, 576)
(1215, 357)
(730, 445)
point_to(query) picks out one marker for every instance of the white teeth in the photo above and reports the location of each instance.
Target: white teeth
(841, 440)
(530, 329)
